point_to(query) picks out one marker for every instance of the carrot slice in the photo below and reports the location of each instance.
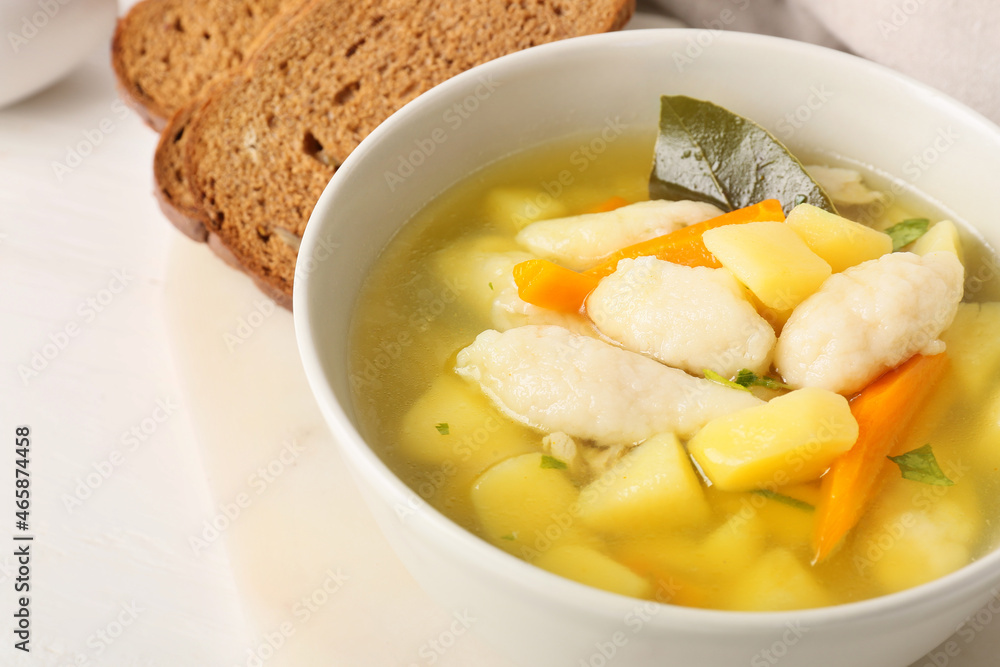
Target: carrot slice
(549, 285)
(685, 246)
(608, 205)
(885, 410)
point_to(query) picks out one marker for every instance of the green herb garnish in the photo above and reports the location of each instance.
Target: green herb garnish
(491, 285)
(787, 500)
(552, 462)
(747, 378)
(906, 232)
(920, 465)
(443, 428)
(715, 377)
(509, 537)
(707, 153)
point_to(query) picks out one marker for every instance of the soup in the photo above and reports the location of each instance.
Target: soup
(729, 492)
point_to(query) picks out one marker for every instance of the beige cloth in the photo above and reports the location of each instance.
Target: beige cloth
(952, 45)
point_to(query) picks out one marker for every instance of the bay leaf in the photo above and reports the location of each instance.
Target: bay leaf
(707, 153)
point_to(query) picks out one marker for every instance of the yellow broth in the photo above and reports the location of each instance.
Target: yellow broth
(421, 305)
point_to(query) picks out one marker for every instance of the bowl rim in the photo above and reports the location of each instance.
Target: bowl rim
(971, 579)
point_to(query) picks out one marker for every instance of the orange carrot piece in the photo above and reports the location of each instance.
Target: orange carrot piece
(885, 410)
(685, 246)
(608, 205)
(549, 285)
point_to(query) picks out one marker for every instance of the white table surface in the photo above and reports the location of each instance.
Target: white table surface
(118, 574)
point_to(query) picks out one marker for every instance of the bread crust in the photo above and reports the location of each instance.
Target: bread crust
(164, 52)
(262, 148)
(128, 89)
(171, 189)
(223, 252)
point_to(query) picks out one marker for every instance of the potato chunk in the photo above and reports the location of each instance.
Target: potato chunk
(974, 347)
(453, 423)
(513, 208)
(473, 269)
(770, 259)
(942, 236)
(652, 486)
(791, 439)
(916, 533)
(719, 556)
(839, 241)
(984, 435)
(522, 503)
(591, 567)
(778, 582)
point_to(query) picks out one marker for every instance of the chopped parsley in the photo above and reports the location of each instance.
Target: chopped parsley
(552, 462)
(715, 377)
(907, 231)
(509, 537)
(443, 428)
(747, 378)
(491, 285)
(920, 465)
(787, 500)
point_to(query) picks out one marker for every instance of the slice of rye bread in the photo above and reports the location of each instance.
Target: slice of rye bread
(172, 192)
(178, 204)
(261, 150)
(164, 51)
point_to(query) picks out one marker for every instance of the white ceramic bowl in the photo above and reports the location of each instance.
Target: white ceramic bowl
(44, 39)
(808, 96)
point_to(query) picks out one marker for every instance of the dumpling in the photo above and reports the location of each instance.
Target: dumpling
(690, 318)
(552, 379)
(580, 241)
(869, 319)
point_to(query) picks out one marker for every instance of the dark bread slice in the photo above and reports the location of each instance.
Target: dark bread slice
(176, 201)
(164, 51)
(263, 147)
(169, 172)
(172, 191)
